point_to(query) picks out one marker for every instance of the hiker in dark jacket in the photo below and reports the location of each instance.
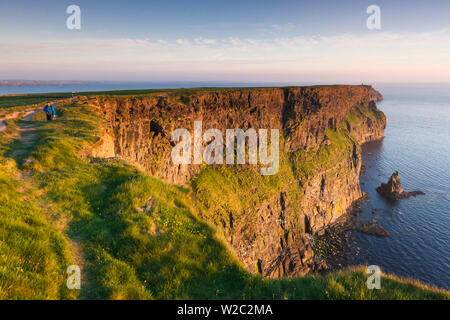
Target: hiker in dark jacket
(49, 111)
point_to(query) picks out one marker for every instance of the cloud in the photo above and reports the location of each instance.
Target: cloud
(202, 41)
(421, 55)
(284, 27)
(298, 42)
(182, 42)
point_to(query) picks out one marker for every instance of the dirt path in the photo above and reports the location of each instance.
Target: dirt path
(26, 135)
(10, 116)
(27, 115)
(78, 257)
(25, 138)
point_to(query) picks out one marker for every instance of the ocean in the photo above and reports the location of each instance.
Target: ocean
(416, 143)
(112, 85)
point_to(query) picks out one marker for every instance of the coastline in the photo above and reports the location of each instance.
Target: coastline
(145, 198)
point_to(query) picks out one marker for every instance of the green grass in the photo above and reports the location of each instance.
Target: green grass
(239, 190)
(8, 101)
(141, 238)
(308, 163)
(180, 94)
(33, 254)
(356, 115)
(30, 99)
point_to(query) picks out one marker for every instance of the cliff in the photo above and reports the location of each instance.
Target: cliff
(134, 236)
(264, 219)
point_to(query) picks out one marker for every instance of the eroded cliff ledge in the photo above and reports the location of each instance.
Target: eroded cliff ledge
(264, 219)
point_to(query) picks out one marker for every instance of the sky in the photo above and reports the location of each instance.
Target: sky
(247, 40)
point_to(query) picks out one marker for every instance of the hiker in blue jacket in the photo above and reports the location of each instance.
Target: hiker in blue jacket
(49, 111)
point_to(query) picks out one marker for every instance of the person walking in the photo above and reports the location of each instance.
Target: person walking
(49, 111)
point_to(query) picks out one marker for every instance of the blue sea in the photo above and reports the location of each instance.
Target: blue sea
(416, 143)
(112, 85)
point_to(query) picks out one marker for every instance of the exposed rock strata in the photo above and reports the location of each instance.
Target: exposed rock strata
(321, 129)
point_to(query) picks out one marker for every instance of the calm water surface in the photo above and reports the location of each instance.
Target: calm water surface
(417, 144)
(112, 85)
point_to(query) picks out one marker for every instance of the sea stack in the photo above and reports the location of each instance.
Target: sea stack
(394, 190)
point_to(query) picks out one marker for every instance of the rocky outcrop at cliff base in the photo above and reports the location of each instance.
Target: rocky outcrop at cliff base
(393, 189)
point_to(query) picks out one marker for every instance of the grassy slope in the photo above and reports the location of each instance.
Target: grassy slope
(32, 251)
(356, 114)
(140, 237)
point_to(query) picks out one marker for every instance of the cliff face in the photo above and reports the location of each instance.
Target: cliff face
(263, 218)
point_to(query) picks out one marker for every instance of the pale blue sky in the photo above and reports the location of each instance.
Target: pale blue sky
(246, 40)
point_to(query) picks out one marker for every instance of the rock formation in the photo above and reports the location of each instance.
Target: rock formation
(265, 220)
(371, 227)
(394, 190)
